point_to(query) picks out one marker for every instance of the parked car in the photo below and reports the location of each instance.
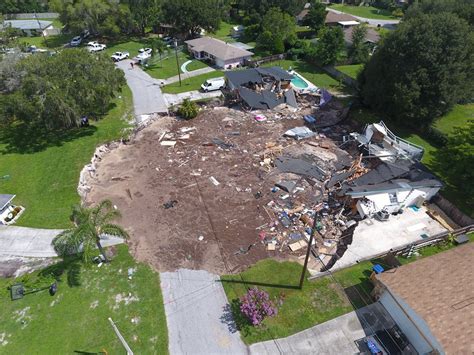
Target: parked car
(145, 50)
(118, 56)
(96, 47)
(92, 43)
(142, 57)
(34, 49)
(76, 41)
(213, 84)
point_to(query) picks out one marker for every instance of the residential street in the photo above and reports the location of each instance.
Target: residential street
(195, 307)
(147, 96)
(370, 21)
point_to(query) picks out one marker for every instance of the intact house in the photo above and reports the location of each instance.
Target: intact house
(8, 212)
(222, 54)
(30, 27)
(432, 300)
(343, 20)
(261, 88)
(372, 37)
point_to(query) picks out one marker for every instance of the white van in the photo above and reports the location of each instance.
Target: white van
(213, 84)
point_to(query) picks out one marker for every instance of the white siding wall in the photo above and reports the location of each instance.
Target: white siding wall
(407, 326)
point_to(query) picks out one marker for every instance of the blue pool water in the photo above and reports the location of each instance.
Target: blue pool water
(298, 82)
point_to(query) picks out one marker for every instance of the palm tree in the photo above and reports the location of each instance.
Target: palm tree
(158, 46)
(89, 225)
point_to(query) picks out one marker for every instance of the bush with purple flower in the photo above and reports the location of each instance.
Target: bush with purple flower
(256, 306)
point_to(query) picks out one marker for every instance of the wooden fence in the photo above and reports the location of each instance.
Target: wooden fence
(452, 211)
(271, 58)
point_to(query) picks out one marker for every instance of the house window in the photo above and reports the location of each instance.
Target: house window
(393, 197)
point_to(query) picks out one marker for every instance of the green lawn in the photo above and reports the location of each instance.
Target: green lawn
(351, 70)
(318, 301)
(365, 11)
(44, 168)
(167, 67)
(190, 84)
(223, 33)
(75, 319)
(458, 117)
(51, 42)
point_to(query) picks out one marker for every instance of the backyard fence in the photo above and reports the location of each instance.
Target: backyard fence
(29, 16)
(340, 76)
(406, 248)
(271, 58)
(452, 211)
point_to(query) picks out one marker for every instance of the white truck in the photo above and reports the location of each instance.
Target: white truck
(118, 56)
(213, 84)
(95, 47)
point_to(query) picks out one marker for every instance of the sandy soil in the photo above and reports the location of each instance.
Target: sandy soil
(142, 176)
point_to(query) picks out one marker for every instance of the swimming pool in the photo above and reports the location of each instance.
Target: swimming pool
(298, 82)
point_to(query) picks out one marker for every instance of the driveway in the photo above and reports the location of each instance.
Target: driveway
(34, 242)
(175, 99)
(337, 336)
(196, 313)
(147, 96)
(390, 24)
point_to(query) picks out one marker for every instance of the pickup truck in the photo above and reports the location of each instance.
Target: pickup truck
(95, 47)
(118, 56)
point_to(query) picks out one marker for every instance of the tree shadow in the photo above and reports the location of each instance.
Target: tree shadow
(263, 284)
(23, 138)
(234, 319)
(70, 267)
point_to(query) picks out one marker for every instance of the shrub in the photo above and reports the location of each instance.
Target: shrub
(256, 306)
(188, 109)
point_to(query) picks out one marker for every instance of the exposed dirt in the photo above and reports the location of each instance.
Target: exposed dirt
(210, 226)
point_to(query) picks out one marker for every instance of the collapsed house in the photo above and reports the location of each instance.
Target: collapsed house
(261, 88)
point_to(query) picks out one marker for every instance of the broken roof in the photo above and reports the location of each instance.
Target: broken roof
(217, 48)
(391, 186)
(266, 99)
(255, 75)
(439, 289)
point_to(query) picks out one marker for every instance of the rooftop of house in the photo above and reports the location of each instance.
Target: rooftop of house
(440, 289)
(371, 36)
(5, 200)
(333, 18)
(217, 48)
(28, 24)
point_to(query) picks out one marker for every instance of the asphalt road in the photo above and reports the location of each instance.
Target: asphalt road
(196, 314)
(147, 96)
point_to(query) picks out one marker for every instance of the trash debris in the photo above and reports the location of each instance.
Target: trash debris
(221, 143)
(201, 238)
(299, 133)
(260, 118)
(170, 204)
(168, 143)
(214, 181)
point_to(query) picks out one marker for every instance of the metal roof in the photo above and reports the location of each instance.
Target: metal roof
(28, 24)
(5, 200)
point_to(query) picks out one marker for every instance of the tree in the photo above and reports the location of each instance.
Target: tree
(291, 7)
(278, 28)
(359, 51)
(158, 46)
(316, 16)
(188, 109)
(462, 8)
(456, 158)
(90, 224)
(145, 13)
(421, 69)
(190, 16)
(56, 91)
(97, 16)
(330, 44)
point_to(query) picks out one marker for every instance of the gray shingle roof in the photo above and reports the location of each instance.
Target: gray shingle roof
(217, 48)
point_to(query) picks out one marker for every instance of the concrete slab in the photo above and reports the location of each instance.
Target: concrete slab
(336, 336)
(197, 314)
(372, 237)
(176, 99)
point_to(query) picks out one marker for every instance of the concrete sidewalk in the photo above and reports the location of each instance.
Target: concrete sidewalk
(34, 242)
(337, 336)
(189, 74)
(147, 96)
(175, 99)
(199, 320)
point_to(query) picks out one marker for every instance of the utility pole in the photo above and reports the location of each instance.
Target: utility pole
(41, 29)
(177, 61)
(122, 340)
(308, 251)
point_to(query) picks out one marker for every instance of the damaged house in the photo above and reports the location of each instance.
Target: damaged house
(261, 88)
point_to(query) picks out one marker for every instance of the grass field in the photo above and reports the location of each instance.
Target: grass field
(318, 301)
(458, 117)
(75, 319)
(365, 11)
(190, 84)
(223, 33)
(43, 168)
(351, 70)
